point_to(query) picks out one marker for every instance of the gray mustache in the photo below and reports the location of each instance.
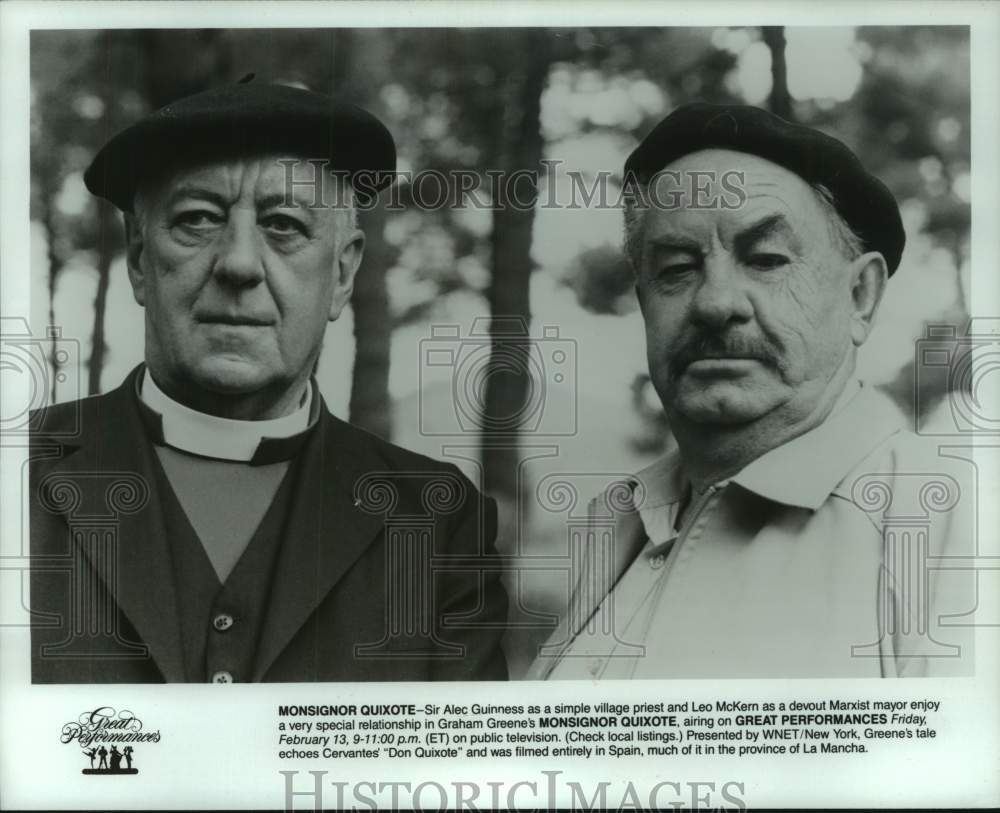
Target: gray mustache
(716, 347)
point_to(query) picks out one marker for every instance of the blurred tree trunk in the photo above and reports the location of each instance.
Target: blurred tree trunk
(360, 69)
(55, 263)
(370, 406)
(106, 216)
(779, 101)
(519, 148)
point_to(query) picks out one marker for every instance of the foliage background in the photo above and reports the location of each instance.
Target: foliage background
(507, 99)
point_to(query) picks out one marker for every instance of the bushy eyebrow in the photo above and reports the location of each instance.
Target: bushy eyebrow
(675, 242)
(277, 199)
(194, 192)
(769, 226)
(776, 225)
(186, 191)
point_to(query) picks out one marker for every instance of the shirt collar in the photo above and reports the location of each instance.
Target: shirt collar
(198, 433)
(802, 472)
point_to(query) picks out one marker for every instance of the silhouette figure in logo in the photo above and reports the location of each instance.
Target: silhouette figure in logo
(128, 757)
(103, 754)
(116, 758)
(91, 753)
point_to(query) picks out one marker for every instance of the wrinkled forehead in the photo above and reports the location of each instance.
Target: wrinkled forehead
(717, 187)
(297, 180)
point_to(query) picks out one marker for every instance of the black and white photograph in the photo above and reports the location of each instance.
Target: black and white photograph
(633, 378)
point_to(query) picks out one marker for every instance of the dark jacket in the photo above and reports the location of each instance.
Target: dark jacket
(372, 532)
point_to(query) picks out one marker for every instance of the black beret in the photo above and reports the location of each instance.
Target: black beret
(243, 119)
(862, 200)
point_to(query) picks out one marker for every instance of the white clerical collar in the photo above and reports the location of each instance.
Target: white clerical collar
(210, 436)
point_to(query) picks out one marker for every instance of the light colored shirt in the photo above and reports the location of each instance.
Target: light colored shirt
(837, 554)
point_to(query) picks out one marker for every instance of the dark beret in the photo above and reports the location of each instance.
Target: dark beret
(245, 118)
(862, 200)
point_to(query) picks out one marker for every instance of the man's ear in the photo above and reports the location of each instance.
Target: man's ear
(868, 277)
(348, 261)
(133, 253)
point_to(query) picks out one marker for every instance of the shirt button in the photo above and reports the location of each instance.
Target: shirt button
(223, 677)
(657, 561)
(222, 622)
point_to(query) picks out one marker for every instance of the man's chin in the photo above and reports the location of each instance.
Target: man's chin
(721, 404)
(228, 376)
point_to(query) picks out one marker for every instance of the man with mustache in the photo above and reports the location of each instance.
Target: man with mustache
(761, 252)
(210, 520)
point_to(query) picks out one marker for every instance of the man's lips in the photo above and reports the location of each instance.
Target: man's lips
(714, 364)
(234, 320)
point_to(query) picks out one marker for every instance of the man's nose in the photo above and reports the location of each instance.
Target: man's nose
(721, 296)
(238, 261)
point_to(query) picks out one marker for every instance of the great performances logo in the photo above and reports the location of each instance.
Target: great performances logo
(106, 739)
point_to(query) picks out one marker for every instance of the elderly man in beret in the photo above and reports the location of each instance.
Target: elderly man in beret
(249, 537)
(761, 547)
